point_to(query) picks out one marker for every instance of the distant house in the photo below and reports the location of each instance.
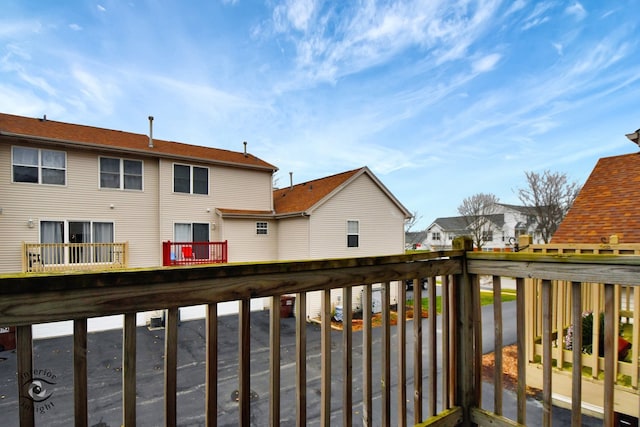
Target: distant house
(416, 240)
(607, 204)
(504, 226)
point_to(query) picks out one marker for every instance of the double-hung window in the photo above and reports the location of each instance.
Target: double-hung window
(39, 166)
(190, 179)
(353, 234)
(120, 174)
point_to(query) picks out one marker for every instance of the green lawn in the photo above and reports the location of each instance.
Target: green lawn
(486, 298)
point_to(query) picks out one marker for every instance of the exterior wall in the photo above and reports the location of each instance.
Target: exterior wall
(233, 188)
(293, 238)
(381, 223)
(80, 199)
(437, 245)
(245, 245)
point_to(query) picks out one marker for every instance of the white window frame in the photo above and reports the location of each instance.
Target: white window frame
(262, 228)
(351, 233)
(39, 166)
(122, 174)
(191, 179)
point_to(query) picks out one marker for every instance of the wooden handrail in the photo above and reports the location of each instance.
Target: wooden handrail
(27, 300)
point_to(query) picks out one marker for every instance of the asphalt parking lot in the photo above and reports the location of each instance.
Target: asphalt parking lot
(53, 359)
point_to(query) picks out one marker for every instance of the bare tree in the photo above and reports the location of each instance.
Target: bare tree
(550, 196)
(476, 212)
(411, 222)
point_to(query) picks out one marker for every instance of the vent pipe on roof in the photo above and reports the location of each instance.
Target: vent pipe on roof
(245, 148)
(150, 131)
(291, 180)
(634, 137)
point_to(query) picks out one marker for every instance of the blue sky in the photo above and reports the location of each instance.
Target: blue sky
(440, 99)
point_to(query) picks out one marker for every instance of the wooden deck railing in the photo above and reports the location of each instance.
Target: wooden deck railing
(590, 309)
(449, 365)
(194, 253)
(56, 257)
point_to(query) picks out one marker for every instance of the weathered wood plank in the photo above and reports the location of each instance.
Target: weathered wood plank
(447, 350)
(385, 360)
(129, 370)
(100, 294)
(417, 351)
(244, 361)
(367, 376)
(483, 417)
(24, 350)
(448, 418)
(432, 348)
(301, 359)
(546, 353)
(274, 361)
(497, 339)
(211, 366)
(576, 374)
(521, 341)
(171, 367)
(477, 332)
(610, 352)
(621, 270)
(347, 368)
(81, 415)
(402, 350)
(325, 364)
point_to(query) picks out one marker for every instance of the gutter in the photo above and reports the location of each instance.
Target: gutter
(145, 153)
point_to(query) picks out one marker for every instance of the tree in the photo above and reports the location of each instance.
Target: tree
(476, 212)
(550, 196)
(411, 222)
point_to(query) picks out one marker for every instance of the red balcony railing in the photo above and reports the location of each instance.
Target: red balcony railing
(193, 253)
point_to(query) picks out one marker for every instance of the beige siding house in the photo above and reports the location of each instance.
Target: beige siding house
(350, 214)
(66, 186)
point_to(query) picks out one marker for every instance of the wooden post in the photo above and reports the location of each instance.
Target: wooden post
(465, 370)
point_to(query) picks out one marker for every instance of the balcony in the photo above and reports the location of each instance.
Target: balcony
(194, 253)
(59, 257)
(410, 372)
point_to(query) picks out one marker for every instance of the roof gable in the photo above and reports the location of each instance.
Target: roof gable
(607, 204)
(30, 129)
(307, 196)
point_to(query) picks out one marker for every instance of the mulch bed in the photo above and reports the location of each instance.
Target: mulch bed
(376, 320)
(509, 368)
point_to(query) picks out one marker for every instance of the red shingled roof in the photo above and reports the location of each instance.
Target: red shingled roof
(302, 197)
(11, 125)
(609, 203)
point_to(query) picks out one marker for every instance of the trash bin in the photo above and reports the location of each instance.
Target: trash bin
(7, 338)
(286, 305)
(338, 314)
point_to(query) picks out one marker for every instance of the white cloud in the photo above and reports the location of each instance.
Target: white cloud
(101, 8)
(486, 63)
(538, 16)
(11, 29)
(98, 92)
(75, 27)
(558, 47)
(294, 13)
(576, 10)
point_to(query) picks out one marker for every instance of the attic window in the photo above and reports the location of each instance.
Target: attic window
(262, 227)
